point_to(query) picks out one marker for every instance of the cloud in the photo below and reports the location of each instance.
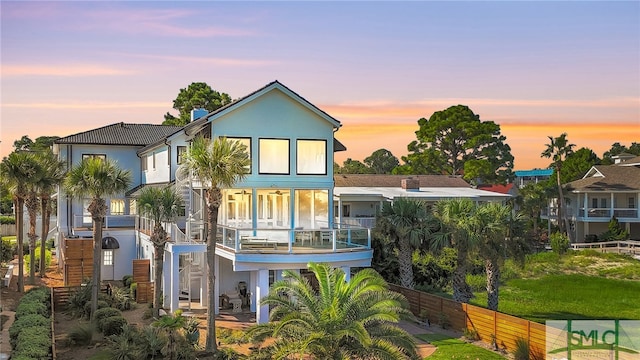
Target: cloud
(69, 70)
(205, 60)
(87, 105)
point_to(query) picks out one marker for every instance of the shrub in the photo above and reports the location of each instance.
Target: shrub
(8, 250)
(47, 260)
(34, 342)
(443, 320)
(38, 294)
(7, 220)
(105, 313)
(77, 299)
(477, 282)
(87, 307)
(559, 243)
(133, 288)
(113, 325)
(471, 334)
(24, 322)
(81, 334)
(521, 352)
(127, 280)
(154, 341)
(120, 298)
(31, 307)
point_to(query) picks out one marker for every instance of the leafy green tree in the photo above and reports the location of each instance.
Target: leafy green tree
(341, 320)
(16, 169)
(455, 142)
(408, 225)
(221, 163)
(577, 164)
(96, 178)
(161, 205)
(42, 143)
(351, 166)
(459, 231)
(617, 149)
(558, 149)
(196, 95)
(614, 232)
(52, 175)
(559, 243)
(381, 161)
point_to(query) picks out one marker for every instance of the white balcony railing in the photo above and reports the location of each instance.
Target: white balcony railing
(110, 221)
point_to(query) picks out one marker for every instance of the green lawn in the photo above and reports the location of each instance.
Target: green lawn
(576, 286)
(451, 348)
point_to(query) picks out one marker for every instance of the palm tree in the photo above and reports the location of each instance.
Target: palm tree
(96, 178)
(558, 149)
(53, 174)
(341, 320)
(16, 169)
(32, 204)
(161, 205)
(408, 224)
(533, 198)
(459, 231)
(219, 164)
(494, 222)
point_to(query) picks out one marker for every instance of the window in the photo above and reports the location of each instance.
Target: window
(117, 207)
(246, 142)
(274, 156)
(603, 203)
(312, 157)
(153, 162)
(107, 257)
(133, 206)
(632, 203)
(144, 162)
(594, 203)
(181, 150)
(94, 156)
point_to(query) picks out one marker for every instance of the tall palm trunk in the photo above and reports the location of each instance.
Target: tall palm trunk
(493, 283)
(32, 209)
(19, 205)
(158, 257)
(405, 263)
(562, 217)
(98, 210)
(214, 199)
(46, 217)
(461, 290)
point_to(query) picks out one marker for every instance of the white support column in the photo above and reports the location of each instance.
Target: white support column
(586, 205)
(175, 282)
(216, 287)
(347, 272)
(253, 281)
(166, 281)
(262, 289)
(612, 208)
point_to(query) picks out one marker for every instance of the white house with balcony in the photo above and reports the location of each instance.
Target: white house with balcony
(604, 192)
(281, 216)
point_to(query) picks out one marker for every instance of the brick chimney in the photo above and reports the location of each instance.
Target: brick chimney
(410, 184)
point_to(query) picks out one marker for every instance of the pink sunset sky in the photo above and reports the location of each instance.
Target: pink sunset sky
(537, 69)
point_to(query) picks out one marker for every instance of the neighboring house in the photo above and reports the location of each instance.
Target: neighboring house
(606, 191)
(523, 177)
(357, 198)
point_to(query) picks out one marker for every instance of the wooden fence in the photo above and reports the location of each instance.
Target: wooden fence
(491, 326)
(7, 229)
(60, 295)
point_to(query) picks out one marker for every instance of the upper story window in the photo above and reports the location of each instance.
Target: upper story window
(273, 156)
(181, 151)
(632, 202)
(94, 156)
(116, 206)
(311, 157)
(143, 162)
(246, 142)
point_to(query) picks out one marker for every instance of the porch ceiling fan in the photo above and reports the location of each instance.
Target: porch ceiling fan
(277, 192)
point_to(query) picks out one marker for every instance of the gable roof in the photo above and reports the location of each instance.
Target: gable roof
(121, 134)
(383, 180)
(196, 124)
(608, 178)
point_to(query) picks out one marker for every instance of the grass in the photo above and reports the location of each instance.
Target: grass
(451, 348)
(579, 285)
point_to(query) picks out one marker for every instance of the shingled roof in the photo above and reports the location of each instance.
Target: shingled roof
(121, 134)
(382, 180)
(608, 178)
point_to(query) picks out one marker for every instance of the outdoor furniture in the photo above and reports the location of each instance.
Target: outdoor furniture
(257, 242)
